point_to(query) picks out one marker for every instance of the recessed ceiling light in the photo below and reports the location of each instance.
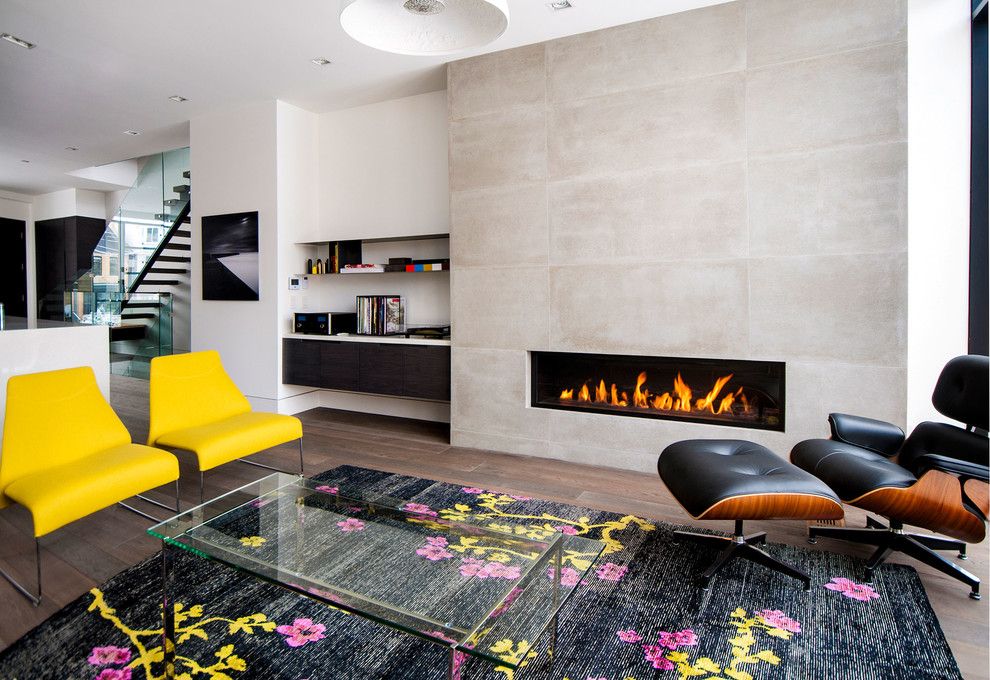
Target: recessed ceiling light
(25, 161)
(72, 148)
(320, 61)
(178, 98)
(133, 133)
(14, 40)
(559, 4)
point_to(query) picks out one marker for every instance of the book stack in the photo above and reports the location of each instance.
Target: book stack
(379, 314)
(362, 269)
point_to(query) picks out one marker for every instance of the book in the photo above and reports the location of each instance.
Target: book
(362, 269)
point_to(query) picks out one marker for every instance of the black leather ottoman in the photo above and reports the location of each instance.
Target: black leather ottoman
(740, 480)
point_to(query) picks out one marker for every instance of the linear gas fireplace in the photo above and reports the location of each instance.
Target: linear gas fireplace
(738, 393)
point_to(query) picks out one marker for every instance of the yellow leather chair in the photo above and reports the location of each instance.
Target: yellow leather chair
(66, 455)
(195, 406)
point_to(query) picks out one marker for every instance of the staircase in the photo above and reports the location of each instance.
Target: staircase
(156, 293)
(139, 282)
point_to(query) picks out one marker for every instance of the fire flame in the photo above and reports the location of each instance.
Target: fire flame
(678, 399)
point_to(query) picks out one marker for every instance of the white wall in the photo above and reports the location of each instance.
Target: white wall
(938, 194)
(298, 188)
(383, 169)
(69, 202)
(233, 161)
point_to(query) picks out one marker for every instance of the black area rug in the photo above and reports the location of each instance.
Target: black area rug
(637, 616)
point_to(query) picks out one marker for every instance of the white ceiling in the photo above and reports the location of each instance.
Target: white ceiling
(104, 66)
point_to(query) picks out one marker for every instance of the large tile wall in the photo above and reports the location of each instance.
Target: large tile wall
(726, 182)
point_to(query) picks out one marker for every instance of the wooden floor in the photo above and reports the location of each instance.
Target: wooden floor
(93, 549)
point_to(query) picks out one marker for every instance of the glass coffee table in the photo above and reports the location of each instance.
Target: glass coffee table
(478, 592)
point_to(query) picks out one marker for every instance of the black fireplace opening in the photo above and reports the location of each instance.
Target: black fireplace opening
(733, 392)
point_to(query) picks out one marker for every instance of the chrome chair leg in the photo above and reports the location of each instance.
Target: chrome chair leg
(275, 469)
(34, 599)
(146, 499)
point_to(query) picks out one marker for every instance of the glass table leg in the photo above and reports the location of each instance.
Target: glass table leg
(168, 613)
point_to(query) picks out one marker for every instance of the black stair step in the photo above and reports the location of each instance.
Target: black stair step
(181, 189)
(142, 305)
(137, 315)
(187, 220)
(173, 258)
(173, 201)
(185, 174)
(183, 234)
(161, 282)
(177, 246)
(167, 270)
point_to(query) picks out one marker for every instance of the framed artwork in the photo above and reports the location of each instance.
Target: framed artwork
(230, 257)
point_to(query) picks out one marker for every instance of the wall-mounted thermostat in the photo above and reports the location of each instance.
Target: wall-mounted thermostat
(298, 282)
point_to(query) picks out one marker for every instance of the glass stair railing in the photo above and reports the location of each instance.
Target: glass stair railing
(125, 289)
(140, 325)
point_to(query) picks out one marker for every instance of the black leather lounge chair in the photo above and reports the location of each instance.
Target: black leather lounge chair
(935, 479)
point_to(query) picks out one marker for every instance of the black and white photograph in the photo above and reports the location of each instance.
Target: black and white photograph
(230, 256)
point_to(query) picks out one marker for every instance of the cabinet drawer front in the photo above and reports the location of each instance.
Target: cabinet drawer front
(339, 366)
(426, 372)
(381, 368)
(301, 362)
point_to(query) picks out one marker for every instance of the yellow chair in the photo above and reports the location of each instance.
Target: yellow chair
(195, 406)
(66, 455)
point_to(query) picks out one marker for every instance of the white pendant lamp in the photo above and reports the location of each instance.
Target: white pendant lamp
(424, 27)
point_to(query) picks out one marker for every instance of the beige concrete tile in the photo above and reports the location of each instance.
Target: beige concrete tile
(783, 30)
(496, 81)
(847, 200)
(851, 98)
(499, 225)
(839, 308)
(696, 212)
(695, 122)
(499, 308)
(658, 51)
(815, 389)
(498, 149)
(489, 395)
(674, 308)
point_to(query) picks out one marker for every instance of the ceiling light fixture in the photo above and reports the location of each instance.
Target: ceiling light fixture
(25, 161)
(14, 40)
(424, 27)
(178, 98)
(72, 148)
(320, 61)
(560, 4)
(133, 133)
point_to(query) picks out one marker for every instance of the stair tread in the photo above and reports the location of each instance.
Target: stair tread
(167, 270)
(173, 258)
(185, 173)
(137, 315)
(177, 246)
(182, 233)
(163, 282)
(142, 305)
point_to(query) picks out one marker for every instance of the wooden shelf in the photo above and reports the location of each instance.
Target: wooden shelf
(386, 239)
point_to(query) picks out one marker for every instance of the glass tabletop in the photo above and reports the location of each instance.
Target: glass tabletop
(484, 592)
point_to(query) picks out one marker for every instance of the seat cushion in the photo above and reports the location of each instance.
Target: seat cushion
(849, 470)
(233, 437)
(69, 492)
(705, 473)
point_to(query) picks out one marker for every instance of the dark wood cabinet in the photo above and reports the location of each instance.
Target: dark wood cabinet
(339, 365)
(394, 369)
(301, 362)
(13, 261)
(63, 252)
(426, 372)
(381, 368)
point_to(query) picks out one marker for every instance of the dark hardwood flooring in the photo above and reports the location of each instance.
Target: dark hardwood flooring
(86, 553)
